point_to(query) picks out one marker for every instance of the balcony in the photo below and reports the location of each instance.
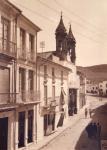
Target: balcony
(7, 98)
(22, 54)
(49, 102)
(31, 57)
(7, 49)
(30, 96)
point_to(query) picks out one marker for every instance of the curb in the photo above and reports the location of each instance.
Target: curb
(63, 130)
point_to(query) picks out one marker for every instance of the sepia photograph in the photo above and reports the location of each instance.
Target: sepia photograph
(53, 74)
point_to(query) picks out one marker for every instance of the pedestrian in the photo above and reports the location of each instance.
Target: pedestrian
(98, 130)
(89, 130)
(95, 130)
(90, 112)
(86, 112)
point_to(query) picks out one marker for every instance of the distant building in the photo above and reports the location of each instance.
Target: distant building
(103, 88)
(82, 89)
(92, 87)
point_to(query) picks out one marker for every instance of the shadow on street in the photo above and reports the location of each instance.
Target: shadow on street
(98, 115)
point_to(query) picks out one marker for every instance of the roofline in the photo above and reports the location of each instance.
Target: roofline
(13, 6)
(47, 60)
(31, 22)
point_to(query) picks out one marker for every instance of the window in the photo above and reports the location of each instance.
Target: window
(30, 80)
(61, 77)
(53, 75)
(22, 40)
(53, 72)
(53, 93)
(45, 72)
(45, 95)
(31, 43)
(45, 69)
(5, 32)
(21, 79)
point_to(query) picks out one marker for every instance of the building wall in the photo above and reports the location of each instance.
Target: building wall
(58, 85)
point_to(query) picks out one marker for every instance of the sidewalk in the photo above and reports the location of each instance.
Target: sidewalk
(71, 121)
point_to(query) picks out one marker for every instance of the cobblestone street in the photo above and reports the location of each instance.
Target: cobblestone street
(75, 137)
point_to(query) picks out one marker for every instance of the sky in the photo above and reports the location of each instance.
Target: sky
(88, 19)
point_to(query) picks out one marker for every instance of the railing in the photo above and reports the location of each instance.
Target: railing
(28, 96)
(49, 102)
(7, 47)
(22, 54)
(7, 98)
(23, 96)
(31, 57)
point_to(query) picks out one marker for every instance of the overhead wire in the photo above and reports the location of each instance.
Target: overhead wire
(75, 22)
(80, 18)
(51, 20)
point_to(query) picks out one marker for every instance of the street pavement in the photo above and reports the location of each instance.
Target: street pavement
(75, 137)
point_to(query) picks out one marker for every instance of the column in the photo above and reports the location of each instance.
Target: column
(26, 84)
(26, 129)
(16, 130)
(34, 125)
(18, 99)
(0, 33)
(18, 42)
(27, 45)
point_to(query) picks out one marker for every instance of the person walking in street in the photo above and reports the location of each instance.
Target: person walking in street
(86, 112)
(89, 130)
(95, 130)
(90, 112)
(98, 130)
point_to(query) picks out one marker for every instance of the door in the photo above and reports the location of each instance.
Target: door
(3, 133)
(21, 129)
(30, 126)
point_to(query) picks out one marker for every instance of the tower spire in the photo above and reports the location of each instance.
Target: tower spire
(70, 34)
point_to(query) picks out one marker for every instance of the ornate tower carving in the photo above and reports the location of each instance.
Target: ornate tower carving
(61, 40)
(71, 42)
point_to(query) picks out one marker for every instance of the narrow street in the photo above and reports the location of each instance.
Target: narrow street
(75, 137)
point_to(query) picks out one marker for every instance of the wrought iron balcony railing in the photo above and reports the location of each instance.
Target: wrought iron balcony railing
(31, 57)
(21, 97)
(49, 102)
(7, 98)
(28, 96)
(21, 54)
(7, 48)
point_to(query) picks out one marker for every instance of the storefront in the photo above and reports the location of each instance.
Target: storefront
(72, 106)
(49, 120)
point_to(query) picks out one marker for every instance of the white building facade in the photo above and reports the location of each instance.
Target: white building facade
(53, 86)
(103, 88)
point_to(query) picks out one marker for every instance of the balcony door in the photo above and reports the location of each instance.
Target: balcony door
(21, 129)
(22, 83)
(30, 126)
(4, 84)
(5, 33)
(3, 133)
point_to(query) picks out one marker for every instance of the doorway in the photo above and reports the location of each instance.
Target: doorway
(21, 129)
(3, 133)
